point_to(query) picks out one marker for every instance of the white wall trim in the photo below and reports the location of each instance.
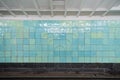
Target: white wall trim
(60, 18)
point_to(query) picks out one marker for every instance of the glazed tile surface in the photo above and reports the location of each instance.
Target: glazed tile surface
(59, 41)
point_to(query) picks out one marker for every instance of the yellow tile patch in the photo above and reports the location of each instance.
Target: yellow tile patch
(97, 35)
(44, 35)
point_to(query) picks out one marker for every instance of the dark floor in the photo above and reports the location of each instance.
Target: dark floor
(59, 71)
(56, 78)
(57, 74)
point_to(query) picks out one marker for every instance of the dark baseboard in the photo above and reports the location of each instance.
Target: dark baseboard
(60, 67)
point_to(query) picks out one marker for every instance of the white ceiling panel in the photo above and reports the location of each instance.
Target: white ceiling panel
(59, 7)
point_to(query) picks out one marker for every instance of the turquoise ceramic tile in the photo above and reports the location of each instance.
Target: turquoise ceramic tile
(56, 53)
(20, 47)
(81, 41)
(81, 59)
(87, 59)
(26, 53)
(117, 41)
(62, 59)
(14, 47)
(37, 35)
(44, 59)
(19, 41)
(2, 47)
(74, 53)
(60, 41)
(99, 59)
(14, 59)
(26, 41)
(7, 53)
(26, 47)
(68, 53)
(50, 48)
(7, 59)
(75, 41)
(32, 47)
(32, 29)
(7, 41)
(32, 35)
(8, 47)
(96, 41)
(52, 59)
(87, 53)
(33, 53)
(38, 41)
(44, 47)
(14, 54)
(38, 47)
(62, 53)
(20, 53)
(20, 59)
(74, 59)
(87, 47)
(43, 41)
(81, 53)
(81, 35)
(2, 54)
(93, 53)
(26, 59)
(2, 60)
(117, 54)
(75, 47)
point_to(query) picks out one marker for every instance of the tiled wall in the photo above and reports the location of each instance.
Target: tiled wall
(68, 41)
